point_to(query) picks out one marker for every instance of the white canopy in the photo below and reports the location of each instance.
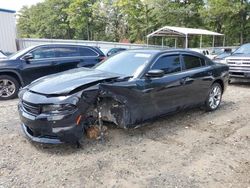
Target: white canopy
(175, 32)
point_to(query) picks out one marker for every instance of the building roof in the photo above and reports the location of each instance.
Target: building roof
(8, 11)
(170, 31)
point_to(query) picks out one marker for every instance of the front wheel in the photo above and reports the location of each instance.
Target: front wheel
(214, 98)
(9, 87)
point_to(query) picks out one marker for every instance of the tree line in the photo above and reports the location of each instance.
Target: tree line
(132, 20)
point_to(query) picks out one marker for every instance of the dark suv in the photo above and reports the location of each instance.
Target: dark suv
(29, 64)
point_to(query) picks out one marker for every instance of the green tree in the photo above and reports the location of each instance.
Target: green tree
(230, 17)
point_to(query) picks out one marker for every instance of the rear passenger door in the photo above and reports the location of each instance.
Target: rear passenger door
(67, 57)
(197, 78)
(70, 57)
(89, 57)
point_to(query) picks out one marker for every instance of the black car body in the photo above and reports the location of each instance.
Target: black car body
(20, 69)
(126, 89)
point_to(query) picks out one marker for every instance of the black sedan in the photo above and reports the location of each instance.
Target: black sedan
(126, 89)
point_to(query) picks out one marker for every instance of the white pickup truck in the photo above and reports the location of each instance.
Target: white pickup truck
(239, 63)
(204, 51)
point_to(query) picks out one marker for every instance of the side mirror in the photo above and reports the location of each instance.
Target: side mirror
(109, 54)
(156, 73)
(28, 57)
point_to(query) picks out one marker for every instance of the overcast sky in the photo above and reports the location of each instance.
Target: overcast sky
(17, 4)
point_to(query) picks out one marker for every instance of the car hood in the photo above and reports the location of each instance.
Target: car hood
(6, 63)
(240, 55)
(65, 82)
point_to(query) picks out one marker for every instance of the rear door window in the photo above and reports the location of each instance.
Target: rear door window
(87, 52)
(191, 62)
(66, 52)
(169, 64)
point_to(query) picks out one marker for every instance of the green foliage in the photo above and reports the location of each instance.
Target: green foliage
(230, 17)
(116, 20)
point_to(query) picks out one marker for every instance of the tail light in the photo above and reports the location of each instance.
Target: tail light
(102, 58)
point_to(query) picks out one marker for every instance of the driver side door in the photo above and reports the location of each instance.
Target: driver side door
(40, 65)
(166, 93)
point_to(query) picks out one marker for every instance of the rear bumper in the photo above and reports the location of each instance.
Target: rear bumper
(51, 129)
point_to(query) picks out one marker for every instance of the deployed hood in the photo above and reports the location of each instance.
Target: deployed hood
(65, 82)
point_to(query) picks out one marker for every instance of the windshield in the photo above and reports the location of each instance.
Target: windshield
(19, 53)
(127, 63)
(244, 49)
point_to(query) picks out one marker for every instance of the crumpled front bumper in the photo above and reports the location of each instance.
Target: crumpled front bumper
(51, 129)
(40, 139)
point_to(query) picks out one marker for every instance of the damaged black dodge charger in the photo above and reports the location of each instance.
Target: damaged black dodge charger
(126, 89)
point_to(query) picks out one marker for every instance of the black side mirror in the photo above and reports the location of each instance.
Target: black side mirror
(28, 57)
(156, 73)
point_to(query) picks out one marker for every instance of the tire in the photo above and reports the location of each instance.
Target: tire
(9, 87)
(214, 97)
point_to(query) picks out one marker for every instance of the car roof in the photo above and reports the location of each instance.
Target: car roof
(69, 44)
(162, 50)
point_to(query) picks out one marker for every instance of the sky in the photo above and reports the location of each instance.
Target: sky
(17, 4)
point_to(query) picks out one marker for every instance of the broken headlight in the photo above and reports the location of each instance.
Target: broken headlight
(57, 108)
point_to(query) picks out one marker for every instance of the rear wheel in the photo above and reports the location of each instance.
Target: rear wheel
(9, 87)
(214, 98)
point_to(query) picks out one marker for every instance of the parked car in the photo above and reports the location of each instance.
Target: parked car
(239, 63)
(2, 55)
(226, 52)
(114, 51)
(25, 66)
(127, 89)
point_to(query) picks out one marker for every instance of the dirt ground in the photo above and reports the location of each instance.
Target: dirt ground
(189, 149)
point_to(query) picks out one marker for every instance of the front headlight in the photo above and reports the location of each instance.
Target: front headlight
(57, 108)
(220, 61)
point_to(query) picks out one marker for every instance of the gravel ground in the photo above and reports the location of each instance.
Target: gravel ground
(189, 149)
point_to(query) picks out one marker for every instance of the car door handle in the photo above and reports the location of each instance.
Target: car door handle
(185, 80)
(210, 73)
(188, 79)
(54, 63)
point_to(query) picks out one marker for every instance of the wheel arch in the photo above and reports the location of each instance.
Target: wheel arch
(219, 81)
(13, 74)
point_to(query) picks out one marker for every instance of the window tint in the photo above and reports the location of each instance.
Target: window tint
(191, 62)
(87, 52)
(203, 62)
(168, 64)
(44, 52)
(66, 52)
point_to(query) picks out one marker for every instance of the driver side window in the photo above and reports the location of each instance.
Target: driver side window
(169, 64)
(44, 52)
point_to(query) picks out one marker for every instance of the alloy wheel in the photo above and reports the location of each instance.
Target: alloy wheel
(215, 97)
(7, 88)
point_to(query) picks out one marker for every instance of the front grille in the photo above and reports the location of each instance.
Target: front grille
(32, 108)
(236, 63)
